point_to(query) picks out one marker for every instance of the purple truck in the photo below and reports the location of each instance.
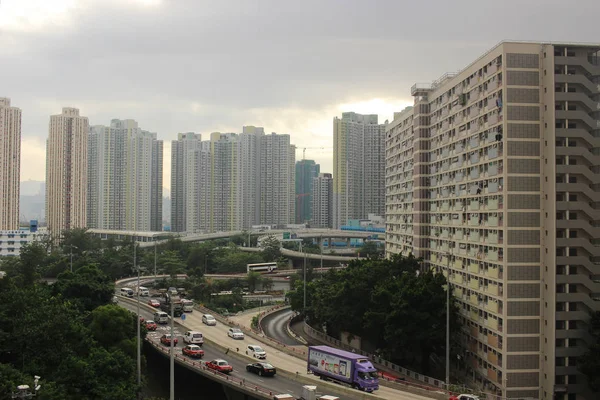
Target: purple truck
(343, 366)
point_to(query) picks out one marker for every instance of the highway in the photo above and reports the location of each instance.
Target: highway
(274, 326)
(278, 384)
(280, 360)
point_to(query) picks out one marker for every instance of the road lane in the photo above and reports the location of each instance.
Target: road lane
(274, 326)
(278, 383)
(281, 360)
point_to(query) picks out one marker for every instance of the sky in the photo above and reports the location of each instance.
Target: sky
(289, 66)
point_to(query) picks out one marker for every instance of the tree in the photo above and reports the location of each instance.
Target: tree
(253, 279)
(589, 363)
(111, 325)
(271, 248)
(385, 302)
(172, 263)
(267, 283)
(88, 287)
(370, 249)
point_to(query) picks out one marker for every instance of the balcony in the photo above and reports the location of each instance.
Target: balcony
(474, 268)
(473, 299)
(474, 284)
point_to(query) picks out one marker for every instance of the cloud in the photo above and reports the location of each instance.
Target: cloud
(203, 66)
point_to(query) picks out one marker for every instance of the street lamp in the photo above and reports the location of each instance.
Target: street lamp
(139, 334)
(448, 322)
(172, 352)
(72, 255)
(24, 392)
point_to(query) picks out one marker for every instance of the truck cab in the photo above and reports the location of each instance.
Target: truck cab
(366, 378)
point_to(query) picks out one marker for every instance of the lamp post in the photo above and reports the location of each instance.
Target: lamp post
(155, 245)
(172, 353)
(24, 392)
(72, 255)
(448, 322)
(139, 334)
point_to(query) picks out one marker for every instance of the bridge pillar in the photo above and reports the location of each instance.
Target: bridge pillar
(330, 243)
(348, 242)
(233, 394)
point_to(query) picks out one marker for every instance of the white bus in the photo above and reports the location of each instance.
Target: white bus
(263, 267)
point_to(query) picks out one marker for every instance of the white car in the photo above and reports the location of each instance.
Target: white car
(256, 351)
(208, 319)
(193, 337)
(235, 333)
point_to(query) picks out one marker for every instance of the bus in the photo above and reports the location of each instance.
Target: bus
(263, 267)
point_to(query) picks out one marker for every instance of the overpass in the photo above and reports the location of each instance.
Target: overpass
(291, 369)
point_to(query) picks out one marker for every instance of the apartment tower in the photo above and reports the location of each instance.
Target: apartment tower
(306, 171)
(322, 201)
(10, 164)
(277, 180)
(224, 182)
(492, 178)
(124, 177)
(358, 167)
(183, 152)
(66, 172)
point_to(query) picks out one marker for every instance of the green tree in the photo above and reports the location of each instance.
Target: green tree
(370, 249)
(111, 325)
(589, 363)
(271, 248)
(172, 263)
(267, 283)
(88, 287)
(254, 279)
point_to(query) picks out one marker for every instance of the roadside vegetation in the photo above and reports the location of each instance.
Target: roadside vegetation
(395, 308)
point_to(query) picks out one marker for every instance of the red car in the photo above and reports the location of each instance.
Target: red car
(142, 320)
(166, 340)
(151, 325)
(193, 350)
(219, 365)
(154, 303)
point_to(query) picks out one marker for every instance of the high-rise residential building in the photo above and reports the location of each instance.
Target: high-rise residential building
(358, 167)
(322, 201)
(249, 187)
(183, 153)
(66, 172)
(277, 176)
(199, 192)
(10, 164)
(124, 177)
(306, 171)
(224, 183)
(492, 178)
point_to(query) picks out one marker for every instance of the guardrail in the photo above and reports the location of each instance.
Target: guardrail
(323, 337)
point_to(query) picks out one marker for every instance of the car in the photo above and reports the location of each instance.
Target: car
(219, 365)
(235, 333)
(151, 325)
(192, 350)
(256, 351)
(261, 368)
(193, 337)
(209, 320)
(142, 320)
(166, 340)
(464, 397)
(154, 303)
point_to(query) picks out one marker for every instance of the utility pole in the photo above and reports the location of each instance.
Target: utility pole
(155, 245)
(321, 246)
(139, 335)
(304, 254)
(71, 258)
(448, 323)
(172, 353)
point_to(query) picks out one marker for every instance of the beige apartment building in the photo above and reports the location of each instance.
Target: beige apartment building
(492, 177)
(66, 172)
(10, 164)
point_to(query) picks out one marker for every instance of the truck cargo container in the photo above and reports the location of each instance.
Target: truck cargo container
(343, 366)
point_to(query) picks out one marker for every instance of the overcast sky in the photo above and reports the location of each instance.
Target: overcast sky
(290, 66)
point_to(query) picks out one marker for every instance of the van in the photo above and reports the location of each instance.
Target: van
(161, 317)
(193, 337)
(144, 292)
(126, 292)
(188, 305)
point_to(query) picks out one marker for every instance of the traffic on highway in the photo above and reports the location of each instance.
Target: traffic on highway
(234, 341)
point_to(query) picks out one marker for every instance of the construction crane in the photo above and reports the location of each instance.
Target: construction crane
(311, 148)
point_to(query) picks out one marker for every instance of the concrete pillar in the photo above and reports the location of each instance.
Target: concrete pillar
(348, 242)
